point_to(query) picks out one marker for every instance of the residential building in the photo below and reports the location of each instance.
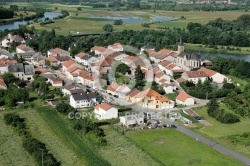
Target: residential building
(120, 57)
(151, 99)
(184, 99)
(16, 39)
(98, 50)
(169, 88)
(38, 59)
(79, 57)
(132, 120)
(105, 111)
(2, 83)
(82, 100)
(117, 47)
(147, 47)
(58, 52)
(194, 76)
(67, 88)
(129, 96)
(23, 72)
(57, 82)
(215, 76)
(68, 64)
(23, 48)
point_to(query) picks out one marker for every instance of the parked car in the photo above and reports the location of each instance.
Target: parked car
(115, 96)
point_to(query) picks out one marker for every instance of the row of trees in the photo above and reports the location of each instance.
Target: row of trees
(220, 114)
(33, 146)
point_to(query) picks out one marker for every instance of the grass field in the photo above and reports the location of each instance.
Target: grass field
(11, 150)
(203, 48)
(174, 148)
(83, 24)
(125, 152)
(219, 132)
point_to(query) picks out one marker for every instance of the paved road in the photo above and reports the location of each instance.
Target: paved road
(214, 145)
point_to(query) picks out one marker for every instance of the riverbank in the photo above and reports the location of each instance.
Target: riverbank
(217, 49)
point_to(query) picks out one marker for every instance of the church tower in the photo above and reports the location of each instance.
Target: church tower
(180, 45)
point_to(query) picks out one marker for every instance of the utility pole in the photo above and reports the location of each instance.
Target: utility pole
(42, 157)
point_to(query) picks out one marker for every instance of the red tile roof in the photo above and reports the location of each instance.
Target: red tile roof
(2, 84)
(182, 96)
(68, 63)
(113, 87)
(133, 92)
(207, 71)
(81, 54)
(151, 93)
(17, 38)
(196, 74)
(98, 48)
(72, 69)
(104, 106)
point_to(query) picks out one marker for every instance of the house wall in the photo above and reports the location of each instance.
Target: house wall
(3, 69)
(218, 78)
(19, 50)
(120, 57)
(169, 89)
(79, 103)
(109, 114)
(187, 102)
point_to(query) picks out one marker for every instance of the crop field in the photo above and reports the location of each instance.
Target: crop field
(174, 148)
(11, 149)
(220, 132)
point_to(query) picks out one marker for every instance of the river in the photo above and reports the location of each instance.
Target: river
(15, 24)
(233, 56)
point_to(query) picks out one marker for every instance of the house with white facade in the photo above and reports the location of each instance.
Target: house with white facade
(66, 90)
(194, 76)
(68, 64)
(184, 99)
(105, 111)
(58, 52)
(121, 57)
(79, 57)
(169, 88)
(117, 47)
(132, 120)
(54, 81)
(215, 76)
(98, 50)
(82, 100)
(23, 48)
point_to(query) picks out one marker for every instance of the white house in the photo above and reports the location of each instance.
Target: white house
(57, 82)
(132, 120)
(122, 90)
(216, 77)
(58, 51)
(66, 65)
(105, 111)
(194, 76)
(121, 57)
(117, 47)
(98, 50)
(184, 99)
(169, 88)
(80, 57)
(5, 43)
(82, 100)
(22, 48)
(66, 89)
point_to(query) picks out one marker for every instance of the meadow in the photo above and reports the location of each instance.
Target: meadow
(220, 132)
(174, 148)
(80, 21)
(11, 149)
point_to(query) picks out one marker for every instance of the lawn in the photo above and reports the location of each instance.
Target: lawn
(125, 152)
(241, 82)
(174, 148)
(219, 132)
(11, 149)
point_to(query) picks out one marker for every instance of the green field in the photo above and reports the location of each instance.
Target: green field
(11, 150)
(174, 148)
(125, 152)
(219, 132)
(83, 24)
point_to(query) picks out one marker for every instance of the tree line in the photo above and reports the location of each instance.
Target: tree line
(33, 146)
(6, 13)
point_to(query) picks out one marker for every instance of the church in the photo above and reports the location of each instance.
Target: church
(185, 60)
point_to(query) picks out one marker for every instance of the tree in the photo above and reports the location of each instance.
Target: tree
(108, 28)
(14, 7)
(118, 22)
(122, 68)
(9, 78)
(63, 107)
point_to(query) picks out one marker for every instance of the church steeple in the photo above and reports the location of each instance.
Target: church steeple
(181, 42)
(180, 45)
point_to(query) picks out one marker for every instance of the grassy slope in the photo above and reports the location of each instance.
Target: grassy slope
(219, 131)
(125, 152)
(61, 128)
(174, 148)
(42, 130)
(11, 150)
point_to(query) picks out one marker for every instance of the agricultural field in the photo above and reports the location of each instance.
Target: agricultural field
(81, 21)
(11, 149)
(173, 148)
(221, 132)
(125, 152)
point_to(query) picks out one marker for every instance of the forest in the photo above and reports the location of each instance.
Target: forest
(6, 13)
